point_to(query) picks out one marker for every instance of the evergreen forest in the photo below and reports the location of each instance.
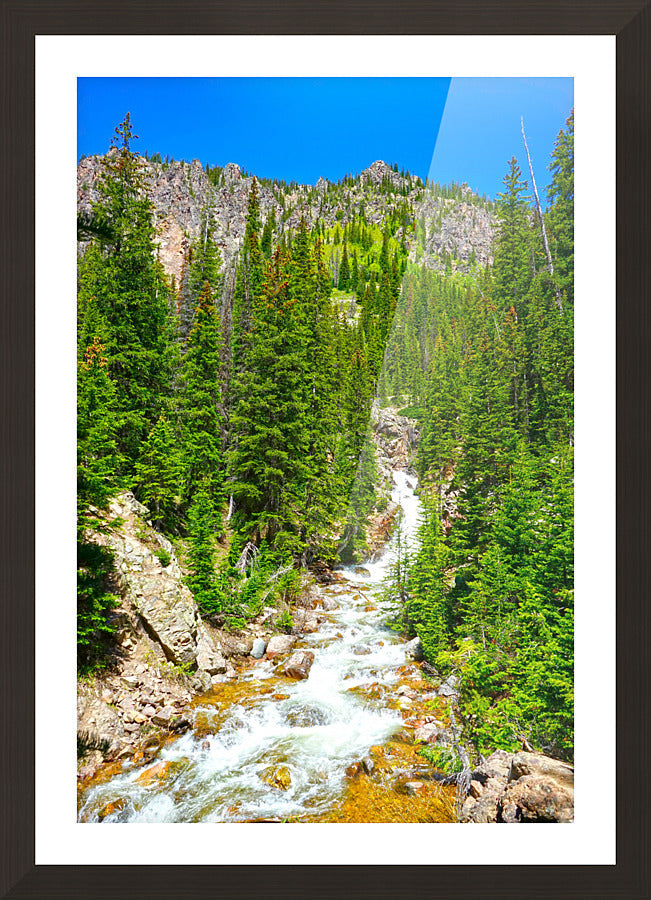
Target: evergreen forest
(236, 407)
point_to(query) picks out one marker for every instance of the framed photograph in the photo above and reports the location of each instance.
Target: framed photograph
(427, 215)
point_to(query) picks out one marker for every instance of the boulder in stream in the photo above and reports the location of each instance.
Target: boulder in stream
(427, 734)
(305, 621)
(414, 649)
(298, 665)
(329, 604)
(258, 649)
(277, 776)
(209, 657)
(280, 643)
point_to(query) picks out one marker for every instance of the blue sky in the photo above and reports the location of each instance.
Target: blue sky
(481, 131)
(300, 128)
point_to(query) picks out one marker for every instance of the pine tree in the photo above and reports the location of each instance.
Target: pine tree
(560, 215)
(203, 580)
(248, 283)
(344, 270)
(512, 266)
(122, 283)
(427, 606)
(268, 458)
(99, 462)
(354, 275)
(98, 468)
(205, 264)
(202, 400)
(158, 474)
(267, 235)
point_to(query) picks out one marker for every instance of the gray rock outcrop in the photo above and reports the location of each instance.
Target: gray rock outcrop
(520, 787)
(460, 228)
(153, 595)
(395, 438)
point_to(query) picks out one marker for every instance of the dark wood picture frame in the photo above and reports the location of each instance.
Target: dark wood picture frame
(21, 21)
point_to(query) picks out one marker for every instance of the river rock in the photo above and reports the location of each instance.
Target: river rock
(110, 809)
(209, 657)
(542, 767)
(306, 717)
(414, 788)
(180, 725)
(151, 745)
(426, 734)
(498, 765)
(520, 787)
(535, 799)
(305, 621)
(404, 703)
(164, 716)
(476, 789)
(405, 691)
(414, 649)
(280, 643)
(236, 646)
(487, 807)
(298, 665)
(159, 770)
(202, 681)
(259, 647)
(329, 604)
(277, 776)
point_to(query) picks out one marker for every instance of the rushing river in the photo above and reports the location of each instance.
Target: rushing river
(312, 729)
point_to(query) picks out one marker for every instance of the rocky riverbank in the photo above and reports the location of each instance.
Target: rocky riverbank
(165, 654)
(520, 787)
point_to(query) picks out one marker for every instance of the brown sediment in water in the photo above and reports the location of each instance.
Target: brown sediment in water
(382, 796)
(367, 801)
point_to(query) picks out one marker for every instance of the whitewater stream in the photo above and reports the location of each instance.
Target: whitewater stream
(312, 729)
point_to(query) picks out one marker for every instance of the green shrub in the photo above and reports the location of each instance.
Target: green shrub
(285, 622)
(164, 557)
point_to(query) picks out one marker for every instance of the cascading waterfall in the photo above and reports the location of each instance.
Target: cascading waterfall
(313, 728)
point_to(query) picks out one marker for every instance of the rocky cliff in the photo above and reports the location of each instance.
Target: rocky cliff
(460, 228)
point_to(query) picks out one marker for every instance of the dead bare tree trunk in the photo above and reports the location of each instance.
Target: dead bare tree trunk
(557, 293)
(464, 777)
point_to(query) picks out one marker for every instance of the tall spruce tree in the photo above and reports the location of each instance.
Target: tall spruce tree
(248, 283)
(122, 283)
(202, 403)
(159, 474)
(268, 456)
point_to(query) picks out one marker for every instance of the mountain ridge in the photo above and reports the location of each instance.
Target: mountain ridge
(457, 227)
